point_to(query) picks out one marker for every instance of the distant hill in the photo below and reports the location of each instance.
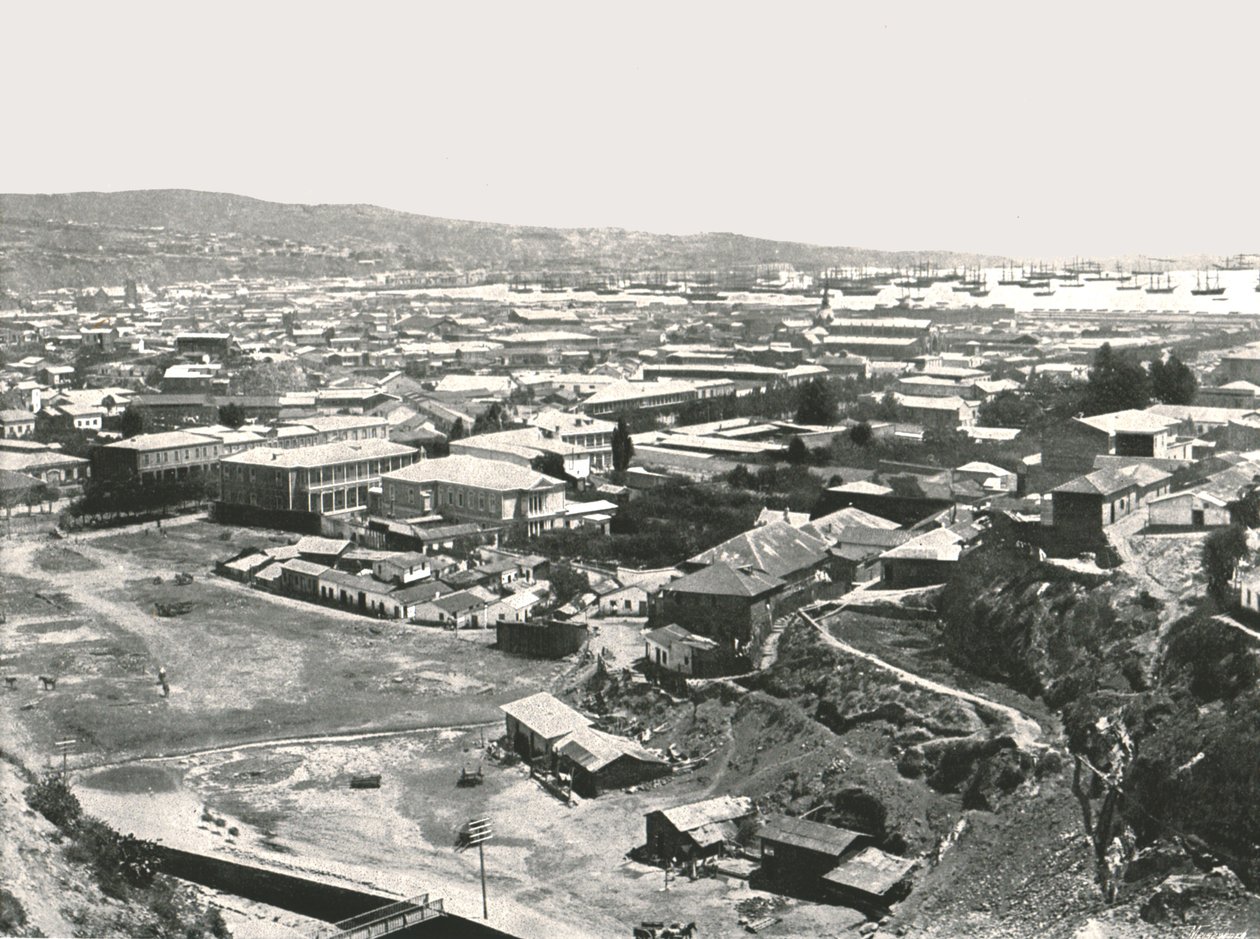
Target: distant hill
(109, 237)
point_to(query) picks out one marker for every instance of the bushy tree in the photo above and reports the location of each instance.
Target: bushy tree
(797, 452)
(860, 433)
(1116, 383)
(1009, 409)
(458, 430)
(550, 464)
(1172, 382)
(133, 421)
(269, 378)
(231, 415)
(1221, 553)
(817, 403)
(491, 420)
(622, 446)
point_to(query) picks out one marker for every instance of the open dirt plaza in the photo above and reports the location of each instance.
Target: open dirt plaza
(276, 703)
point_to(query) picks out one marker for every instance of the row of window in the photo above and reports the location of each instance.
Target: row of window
(173, 456)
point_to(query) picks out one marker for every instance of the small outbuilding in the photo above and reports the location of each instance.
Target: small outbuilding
(798, 851)
(598, 761)
(536, 724)
(697, 830)
(871, 879)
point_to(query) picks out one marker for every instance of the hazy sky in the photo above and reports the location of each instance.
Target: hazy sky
(1020, 128)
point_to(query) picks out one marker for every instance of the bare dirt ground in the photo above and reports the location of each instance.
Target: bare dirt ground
(274, 704)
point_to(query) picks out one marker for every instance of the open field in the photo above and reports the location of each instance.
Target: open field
(246, 667)
(242, 665)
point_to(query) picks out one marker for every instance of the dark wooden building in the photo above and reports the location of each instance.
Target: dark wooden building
(796, 851)
(696, 830)
(598, 762)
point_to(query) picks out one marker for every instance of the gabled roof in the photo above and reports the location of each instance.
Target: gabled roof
(723, 580)
(1114, 479)
(593, 749)
(711, 811)
(1131, 421)
(813, 836)
(475, 472)
(674, 633)
(777, 549)
(545, 714)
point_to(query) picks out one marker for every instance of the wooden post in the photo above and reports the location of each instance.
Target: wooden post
(485, 909)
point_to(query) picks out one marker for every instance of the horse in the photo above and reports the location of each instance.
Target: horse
(50, 683)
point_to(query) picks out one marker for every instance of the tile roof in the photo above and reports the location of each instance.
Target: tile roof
(696, 815)
(777, 549)
(723, 580)
(545, 714)
(1112, 479)
(322, 455)
(1130, 422)
(476, 472)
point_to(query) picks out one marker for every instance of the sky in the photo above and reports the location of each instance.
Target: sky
(1023, 129)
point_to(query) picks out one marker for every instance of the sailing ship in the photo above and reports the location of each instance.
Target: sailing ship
(1237, 262)
(1207, 284)
(1157, 285)
(1009, 278)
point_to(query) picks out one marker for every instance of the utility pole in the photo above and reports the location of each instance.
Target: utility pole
(478, 832)
(64, 746)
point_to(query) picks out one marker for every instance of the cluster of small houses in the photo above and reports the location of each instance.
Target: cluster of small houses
(795, 854)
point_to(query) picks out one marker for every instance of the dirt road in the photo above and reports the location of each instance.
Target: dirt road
(1025, 731)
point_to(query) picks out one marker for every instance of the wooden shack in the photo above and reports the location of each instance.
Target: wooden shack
(696, 830)
(799, 852)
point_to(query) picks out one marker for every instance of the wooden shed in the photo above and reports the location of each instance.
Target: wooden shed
(537, 723)
(696, 830)
(798, 851)
(870, 880)
(599, 761)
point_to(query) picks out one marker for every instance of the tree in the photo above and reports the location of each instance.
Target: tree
(567, 583)
(458, 431)
(231, 415)
(132, 422)
(1221, 553)
(1172, 382)
(492, 419)
(740, 478)
(550, 464)
(622, 446)
(1116, 383)
(1245, 510)
(797, 452)
(1009, 409)
(817, 403)
(860, 434)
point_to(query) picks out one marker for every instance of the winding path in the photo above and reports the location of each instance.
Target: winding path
(1025, 731)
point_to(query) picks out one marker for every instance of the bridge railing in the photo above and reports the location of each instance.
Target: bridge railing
(384, 920)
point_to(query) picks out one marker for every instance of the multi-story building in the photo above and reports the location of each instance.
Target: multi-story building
(653, 395)
(170, 455)
(15, 424)
(471, 489)
(328, 479)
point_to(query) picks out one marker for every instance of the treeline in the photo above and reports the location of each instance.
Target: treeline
(1117, 381)
(111, 498)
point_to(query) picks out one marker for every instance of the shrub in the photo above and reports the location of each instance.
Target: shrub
(12, 915)
(52, 798)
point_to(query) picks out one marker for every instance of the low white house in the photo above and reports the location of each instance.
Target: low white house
(1187, 509)
(514, 608)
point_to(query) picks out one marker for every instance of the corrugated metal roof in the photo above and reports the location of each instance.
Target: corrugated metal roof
(871, 871)
(813, 836)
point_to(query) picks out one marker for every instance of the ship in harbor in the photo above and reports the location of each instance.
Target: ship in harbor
(1160, 283)
(1207, 284)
